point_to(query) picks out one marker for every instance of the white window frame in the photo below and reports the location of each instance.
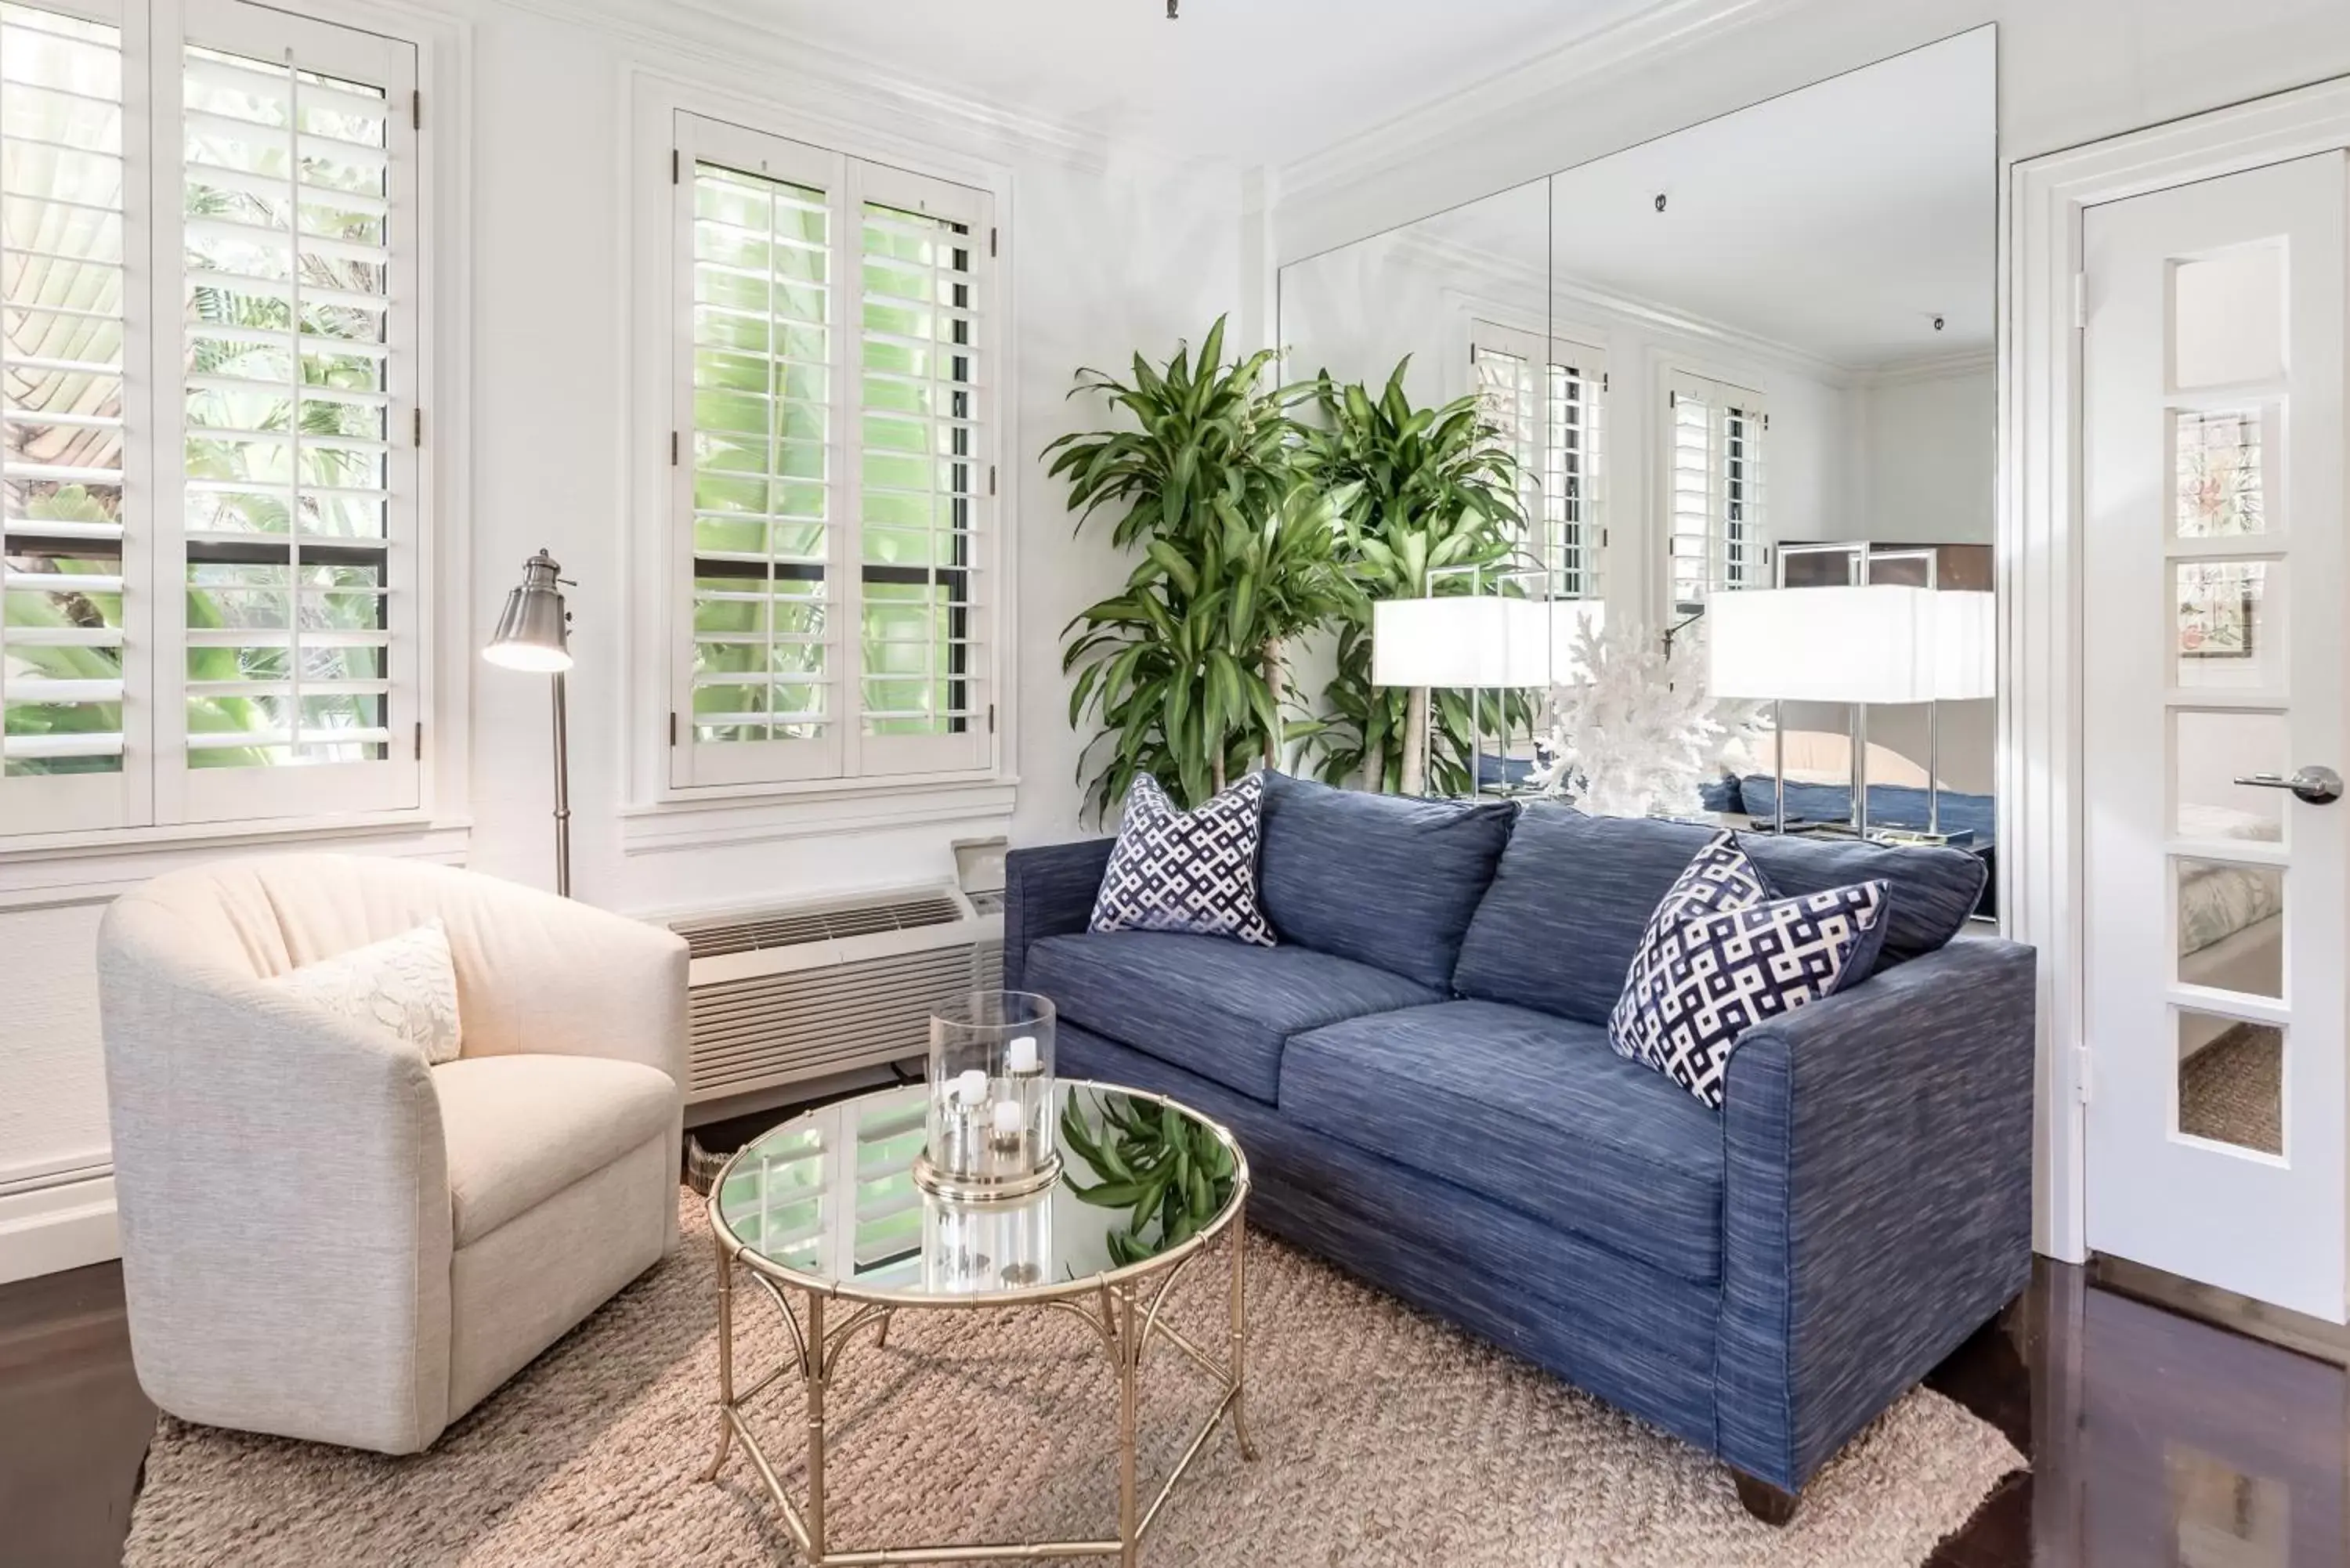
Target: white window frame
(1540, 480)
(1718, 398)
(161, 805)
(970, 778)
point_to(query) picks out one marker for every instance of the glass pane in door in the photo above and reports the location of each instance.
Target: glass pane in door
(2228, 619)
(2228, 318)
(2211, 750)
(2232, 1081)
(2230, 926)
(2220, 490)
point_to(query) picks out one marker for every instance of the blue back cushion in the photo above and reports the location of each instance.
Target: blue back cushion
(1572, 894)
(1377, 879)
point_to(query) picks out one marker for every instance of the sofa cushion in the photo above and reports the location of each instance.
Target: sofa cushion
(1529, 1110)
(1572, 894)
(1217, 1008)
(519, 1129)
(1377, 879)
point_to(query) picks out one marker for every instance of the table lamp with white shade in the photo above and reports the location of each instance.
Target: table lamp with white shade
(1966, 668)
(1876, 643)
(1472, 643)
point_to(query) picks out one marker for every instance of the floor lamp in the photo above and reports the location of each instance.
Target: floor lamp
(1870, 644)
(534, 633)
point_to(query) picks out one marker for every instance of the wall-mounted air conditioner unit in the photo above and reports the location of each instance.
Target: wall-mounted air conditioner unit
(790, 992)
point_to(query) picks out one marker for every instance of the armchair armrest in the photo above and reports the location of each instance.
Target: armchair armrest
(1049, 891)
(283, 1192)
(1878, 1197)
(538, 972)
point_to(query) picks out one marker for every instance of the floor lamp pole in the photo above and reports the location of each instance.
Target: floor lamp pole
(562, 791)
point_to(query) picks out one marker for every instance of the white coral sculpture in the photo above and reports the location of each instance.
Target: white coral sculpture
(1638, 734)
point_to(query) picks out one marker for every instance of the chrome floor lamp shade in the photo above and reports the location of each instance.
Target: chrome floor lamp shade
(534, 633)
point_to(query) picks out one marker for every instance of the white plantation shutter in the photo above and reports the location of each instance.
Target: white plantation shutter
(209, 361)
(66, 213)
(1718, 531)
(834, 487)
(298, 550)
(1552, 425)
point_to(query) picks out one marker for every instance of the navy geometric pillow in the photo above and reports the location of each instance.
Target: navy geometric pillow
(1189, 872)
(1699, 981)
(1718, 877)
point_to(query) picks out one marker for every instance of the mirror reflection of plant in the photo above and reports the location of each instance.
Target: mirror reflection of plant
(1184, 670)
(1162, 1166)
(1426, 492)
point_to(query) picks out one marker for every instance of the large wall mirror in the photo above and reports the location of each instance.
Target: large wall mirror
(1757, 353)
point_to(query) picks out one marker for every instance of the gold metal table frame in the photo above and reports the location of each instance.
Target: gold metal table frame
(1121, 1305)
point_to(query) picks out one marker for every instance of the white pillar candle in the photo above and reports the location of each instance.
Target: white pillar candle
(1008, 1118)
(1023, 1057)
(970, 1088)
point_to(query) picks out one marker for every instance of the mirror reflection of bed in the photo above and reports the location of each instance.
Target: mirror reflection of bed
(2230, 924)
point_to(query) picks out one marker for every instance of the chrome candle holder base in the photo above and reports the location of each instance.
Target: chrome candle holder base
(985, 1188)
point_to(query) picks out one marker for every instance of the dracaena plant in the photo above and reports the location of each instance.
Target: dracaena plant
(1183, 673)
(1424, 492)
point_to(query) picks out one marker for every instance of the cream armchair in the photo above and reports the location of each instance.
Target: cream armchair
(323, 1238)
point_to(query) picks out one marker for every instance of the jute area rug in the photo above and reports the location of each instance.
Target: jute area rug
(1384, 1437)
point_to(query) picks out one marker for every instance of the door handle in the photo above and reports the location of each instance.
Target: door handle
(2318, 786)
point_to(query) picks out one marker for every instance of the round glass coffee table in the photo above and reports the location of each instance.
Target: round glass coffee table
(824, 1215)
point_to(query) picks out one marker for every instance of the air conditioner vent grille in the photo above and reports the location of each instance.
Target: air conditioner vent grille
(752, 932)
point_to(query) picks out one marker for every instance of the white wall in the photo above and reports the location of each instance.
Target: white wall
(1929, 444)
(1110, 251)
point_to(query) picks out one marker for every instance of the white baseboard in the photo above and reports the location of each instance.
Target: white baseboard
(52, 1228)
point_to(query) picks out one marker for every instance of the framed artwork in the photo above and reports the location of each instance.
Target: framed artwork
(2219, 608)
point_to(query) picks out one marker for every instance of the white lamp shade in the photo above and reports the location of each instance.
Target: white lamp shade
(1477, 641)
(1872, 644)
(1966, 656)
(1552, 660)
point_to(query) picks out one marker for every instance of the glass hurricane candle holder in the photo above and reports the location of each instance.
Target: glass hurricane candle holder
(989, 1131)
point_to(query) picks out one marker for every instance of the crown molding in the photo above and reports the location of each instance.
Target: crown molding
(1931, 368)
(1496, 104)
(1484, 274)
(755, 55)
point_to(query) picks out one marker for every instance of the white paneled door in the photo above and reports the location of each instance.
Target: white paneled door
(2214, 604)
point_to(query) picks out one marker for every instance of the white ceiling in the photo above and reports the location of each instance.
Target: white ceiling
(1838, 220)
(1249, 81)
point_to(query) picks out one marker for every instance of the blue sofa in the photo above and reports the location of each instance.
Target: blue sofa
(1420, 1076)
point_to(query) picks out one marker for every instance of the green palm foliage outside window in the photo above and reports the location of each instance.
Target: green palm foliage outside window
(61, 375)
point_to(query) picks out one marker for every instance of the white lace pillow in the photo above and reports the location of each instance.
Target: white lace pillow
(407, 984)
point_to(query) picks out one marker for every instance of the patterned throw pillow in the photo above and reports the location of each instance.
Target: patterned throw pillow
(1721, 954)
(1192, 872)
(407, 984)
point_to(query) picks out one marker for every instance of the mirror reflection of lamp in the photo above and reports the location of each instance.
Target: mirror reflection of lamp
(1472, 642)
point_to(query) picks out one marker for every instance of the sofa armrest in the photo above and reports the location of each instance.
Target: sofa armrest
(1049, 891)
(1878, 1197)
(283, 1192)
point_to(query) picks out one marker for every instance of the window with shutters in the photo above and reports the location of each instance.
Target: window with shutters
(834, 376)
(1551, 422)
(212, 528)
(1718, 527)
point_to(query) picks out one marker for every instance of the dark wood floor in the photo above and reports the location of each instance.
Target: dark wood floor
(2154, 1442)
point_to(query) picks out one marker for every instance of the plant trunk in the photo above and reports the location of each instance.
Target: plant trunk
(1276, 681)
(1415, 741)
